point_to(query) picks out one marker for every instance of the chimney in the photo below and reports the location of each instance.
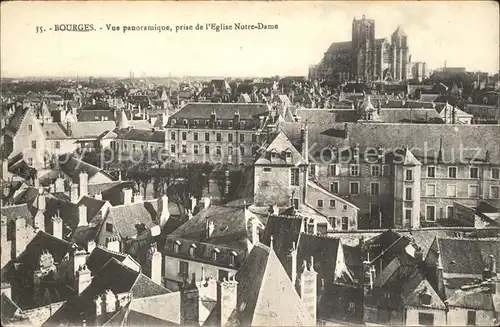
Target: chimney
(57, 227)
(138, 197)
(163, 211)
(210, 228)
(154, 264)
(83, 184)
(36, 182)
(305, 142)
(227, 297)
(82, 215)
(78, 259)
(205, 202)
(192, 203)
(109, 301)
(292, 264)
(98, 306)
(41, 200)
(367, 277)
(439, 277)
(308, 288)
(83, 278)
(255, 232)
(73, 193)
(112, 243)
(98, 196)
(126, 196)
(91, 246)
(21, 236)
(190, 301)
(493, 265)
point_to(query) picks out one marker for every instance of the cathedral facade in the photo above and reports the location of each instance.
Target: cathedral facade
(366, 58)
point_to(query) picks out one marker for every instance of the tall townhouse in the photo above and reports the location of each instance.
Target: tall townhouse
(400, 174)
(217, 132)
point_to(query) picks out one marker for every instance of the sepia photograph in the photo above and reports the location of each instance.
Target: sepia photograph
(250, 163)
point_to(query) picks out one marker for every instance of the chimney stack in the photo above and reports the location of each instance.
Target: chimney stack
(109, 301)
(308, 288)
(305, 142)
(98, 196)
(192, 203)
(82, 215)
(21, 237)
(292, 264)
(127, 196)
(255, 232)
(227, 297)
(154, 264)
(138, 197)
(163, 211)
(112, 243)
(83, 278)
(73, 193)
(190, 301)
(91, 246)
(57, 227)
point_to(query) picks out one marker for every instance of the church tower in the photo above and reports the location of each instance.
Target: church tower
(400, 55)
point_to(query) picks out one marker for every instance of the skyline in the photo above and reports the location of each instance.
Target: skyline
(436, 32)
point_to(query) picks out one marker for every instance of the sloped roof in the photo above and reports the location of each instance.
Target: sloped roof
(276, 152)
(452, 252)
(340, 47)
(285, 231)
(125, 218)
(96, 115)
(12, 213)
(79, 130)
(145, 135)
(266, 296)
(202, 110)
(411, 135)
(410, 115)
(141, 124)
(399, 32)
(72, 167)
(476, 297)
(100, 256)
(412, 297)
(17, 119)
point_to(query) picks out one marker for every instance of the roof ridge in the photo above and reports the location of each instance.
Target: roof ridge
(322, 236)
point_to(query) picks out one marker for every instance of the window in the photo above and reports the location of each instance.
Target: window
(230, 123)
(218, 150)
(333, 203)
(195, 149)
(430, 190)
(133, 147)
(218, 137)
(172, 148)
(494, 191)
(254, 138)
(183, 269)
(207, 137)
(408, 194)
(472, 191)
(223, 275)
(452, 172)
(33, 144)
(451, 190)
(425, 298)
(219, 123)
(385, 170)
(230, 150)
(29, 161)
(450, 214)
(345, 223)
(344, 207)
(334, 187)
(295, 203)
(242, 150)
(30, 128)
(207, 149)
(184, 136)
(172, 136)
(374, 188)
(230, 137)
(320, 203)
(332, 221)
(195, 136)
(215, 254)
(334, 171)
(242, 138)
(195, 122)
(313, 169)
(267, 169)
(474, 172)
(407, 214)
(354, 170)
(294, 176)
(495, 173)
(375, 170)
(185, 122)
(184, 148)
(207, 122)
(57, 145)
(409, 175)
(109, 227)
(191, 250)
(354, 187)
(471, 317)
(430, 213)
(176, 246)
(431, 171)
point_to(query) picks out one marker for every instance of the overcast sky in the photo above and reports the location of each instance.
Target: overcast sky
(462, 33)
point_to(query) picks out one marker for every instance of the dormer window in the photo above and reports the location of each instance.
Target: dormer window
(192, 248)
(288, 154)
(219, 123)
(215, 254)
(185, 122)
(425, 298)
(196, 122)
(232, 258)
(207, 122)
(230, 123)
(173, 122)
(176, 246)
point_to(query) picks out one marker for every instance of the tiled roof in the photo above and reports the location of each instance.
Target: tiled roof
(17, 119)
(144, 287)
(265, 295)
(412, 297)
(285, 231)
(410, 115)
(203, 110)
(340, 47)
(72, 167)
(276, 152)
(145, 135)
(12, 213)
(96, 115)
(110, 191)
(125, 218)
(414, 136)
(476, 297)
(100, 256)
(452, 252)
(79, 130)
(141, 124)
